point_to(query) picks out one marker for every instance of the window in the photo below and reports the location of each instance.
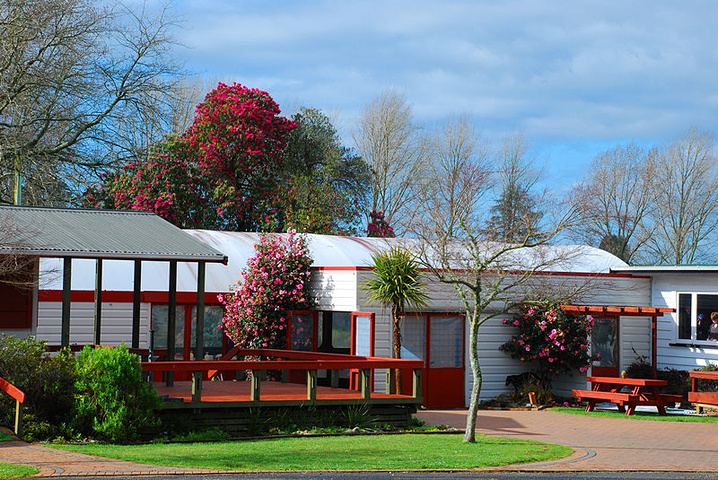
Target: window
(694, 315)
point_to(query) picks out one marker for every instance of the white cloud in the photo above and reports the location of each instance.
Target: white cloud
(565, 72)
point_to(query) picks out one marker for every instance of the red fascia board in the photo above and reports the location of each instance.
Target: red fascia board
(516, 272)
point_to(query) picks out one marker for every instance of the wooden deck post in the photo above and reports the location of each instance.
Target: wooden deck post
(256, 384)
(365, 381)
(98, 302)
(417, 383)
(66, 301)
(390, 381)
(171, 321)
(18, 418)
(136, 304)
(311, 385)
(197, 386)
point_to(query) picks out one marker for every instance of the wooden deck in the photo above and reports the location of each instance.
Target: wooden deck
(239, 407)
(239, 393)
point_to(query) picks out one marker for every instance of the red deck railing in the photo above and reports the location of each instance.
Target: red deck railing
(19, 397)
(289, 360)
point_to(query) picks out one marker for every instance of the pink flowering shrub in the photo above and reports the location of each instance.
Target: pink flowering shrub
(551, 340)
(378, 226)
(275, 281)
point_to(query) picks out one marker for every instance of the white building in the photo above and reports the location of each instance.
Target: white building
(345, 321)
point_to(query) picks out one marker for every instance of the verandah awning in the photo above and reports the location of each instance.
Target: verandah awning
(629, 311)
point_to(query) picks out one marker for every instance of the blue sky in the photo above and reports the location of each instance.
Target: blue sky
(576, 77)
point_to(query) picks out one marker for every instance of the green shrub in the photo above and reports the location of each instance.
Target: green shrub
(112, 402)
(48, 383)
(705, 385)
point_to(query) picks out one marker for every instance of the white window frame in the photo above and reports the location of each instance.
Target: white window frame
(694, 319)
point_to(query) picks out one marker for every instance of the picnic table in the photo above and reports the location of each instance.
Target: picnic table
(626, 393)
(702, 399)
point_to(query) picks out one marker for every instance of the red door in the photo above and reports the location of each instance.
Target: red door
(604, 344)
(438, 339)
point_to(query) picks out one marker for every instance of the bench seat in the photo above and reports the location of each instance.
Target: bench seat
(707, 398)
(614, 397)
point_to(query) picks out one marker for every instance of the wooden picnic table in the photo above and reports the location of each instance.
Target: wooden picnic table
(626, 393)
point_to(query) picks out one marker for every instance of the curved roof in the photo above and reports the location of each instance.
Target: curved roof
(327, 251)
(340, 251)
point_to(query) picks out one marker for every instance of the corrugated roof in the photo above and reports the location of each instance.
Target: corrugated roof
(110, 234)
(340, 251)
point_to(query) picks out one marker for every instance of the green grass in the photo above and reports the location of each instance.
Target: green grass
(12, 470)
(410, 451)
(635, 416)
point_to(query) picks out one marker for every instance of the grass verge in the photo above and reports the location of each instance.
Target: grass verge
(354, 452)
(636, 415)
(12, 470)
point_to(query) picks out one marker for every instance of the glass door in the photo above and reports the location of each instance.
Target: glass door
(604, 345)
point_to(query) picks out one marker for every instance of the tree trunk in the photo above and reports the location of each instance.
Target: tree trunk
(397, 348)
(470, 435)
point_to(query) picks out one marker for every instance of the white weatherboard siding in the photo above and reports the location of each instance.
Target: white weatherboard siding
(666, 287)
(116, 323)
(497, 365)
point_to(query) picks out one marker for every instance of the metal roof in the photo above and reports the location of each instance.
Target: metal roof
(107, 234)
(339, 251)
(648, 269)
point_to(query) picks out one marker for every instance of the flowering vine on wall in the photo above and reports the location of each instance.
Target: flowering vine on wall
(552, 341)
(275, 281)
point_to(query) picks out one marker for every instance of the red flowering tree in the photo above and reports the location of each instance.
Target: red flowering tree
(378, 226)
(169, 184)
(550, 339)
(237, 138)
(220, 174)
(275, 281)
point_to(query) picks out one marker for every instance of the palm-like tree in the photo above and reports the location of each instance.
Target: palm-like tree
(397, 282)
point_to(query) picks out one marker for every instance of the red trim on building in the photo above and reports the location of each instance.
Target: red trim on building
(517, 272)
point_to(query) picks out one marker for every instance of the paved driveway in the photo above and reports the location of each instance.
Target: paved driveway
(601, 443)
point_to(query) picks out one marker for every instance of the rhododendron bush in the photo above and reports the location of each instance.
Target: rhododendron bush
(550, 339)
(275, 281)
(219, 174)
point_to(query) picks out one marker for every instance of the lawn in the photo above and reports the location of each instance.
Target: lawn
(11, 470)
(636, 416)
(380, 452)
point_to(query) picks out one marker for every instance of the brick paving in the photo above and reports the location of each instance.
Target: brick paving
(55, 463)
(601, 444)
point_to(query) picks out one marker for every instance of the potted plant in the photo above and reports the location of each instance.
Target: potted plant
(624, 374)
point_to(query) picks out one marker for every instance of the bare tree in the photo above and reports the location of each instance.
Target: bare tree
(684, 184)
(614, 201)
(515, 211)
(71, 72)
(389, 142)
(16, 267)
(457, 250)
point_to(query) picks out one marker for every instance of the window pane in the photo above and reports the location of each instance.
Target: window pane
(341, 329)
(447, 342)
(212, 334)
(603, 342)
(302, 332)
(413, 338)
(363, 335)
(159, 325)
(684, 316)
(707, 304)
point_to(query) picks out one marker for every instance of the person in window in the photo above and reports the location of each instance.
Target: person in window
(713, 332)
(704, 325)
